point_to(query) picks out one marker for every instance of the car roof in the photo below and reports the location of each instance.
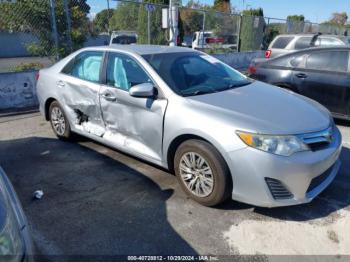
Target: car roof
(142, 49)
(332, 48)
(308, 35)
(311, 49)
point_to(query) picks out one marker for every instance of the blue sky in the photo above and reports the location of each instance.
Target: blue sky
(314, 10)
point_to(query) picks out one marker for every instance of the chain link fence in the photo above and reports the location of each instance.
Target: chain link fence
(35, 33)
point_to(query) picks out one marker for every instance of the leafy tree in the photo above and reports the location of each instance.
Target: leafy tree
(34, 16)
(158, 35)
(253, 12)
(222, 6)
(125, 16)
(339, 19)
(295, 24)
(252, 29)
(101, 21)
(336, 25)
(192, 20)
(192, 16)
(297, 18)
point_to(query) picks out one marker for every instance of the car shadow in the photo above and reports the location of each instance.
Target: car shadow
(92, 204)
(332, 199)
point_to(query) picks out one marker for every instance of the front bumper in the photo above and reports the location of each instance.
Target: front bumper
(250, 168)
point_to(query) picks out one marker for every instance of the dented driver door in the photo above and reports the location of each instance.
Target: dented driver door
(133, 124)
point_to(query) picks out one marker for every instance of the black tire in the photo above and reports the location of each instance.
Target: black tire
(222, 181)
(66, 134)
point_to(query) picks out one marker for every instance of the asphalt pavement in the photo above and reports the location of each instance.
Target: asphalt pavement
(98, 201)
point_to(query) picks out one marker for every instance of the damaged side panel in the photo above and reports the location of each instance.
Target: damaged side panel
(82, 106)
(135, 124)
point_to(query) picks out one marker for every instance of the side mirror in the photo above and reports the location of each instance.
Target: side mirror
(142, 90)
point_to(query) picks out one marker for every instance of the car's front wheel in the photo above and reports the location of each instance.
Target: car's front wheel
(59, 122)
(202, 172)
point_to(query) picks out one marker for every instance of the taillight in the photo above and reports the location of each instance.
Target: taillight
(212, 40)
(37, 75)
(209, 40)
(252, 69)
(268, 53)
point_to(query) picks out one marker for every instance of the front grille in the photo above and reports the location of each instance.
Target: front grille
(319, 179)
(277, 189)
(318, 140)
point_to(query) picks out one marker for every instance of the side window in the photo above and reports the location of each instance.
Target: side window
(302, 43)
(282, 42)
(124, 72)
(328, 61)
(85, 66)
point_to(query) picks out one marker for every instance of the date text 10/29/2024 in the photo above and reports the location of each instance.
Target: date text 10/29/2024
(172, 258)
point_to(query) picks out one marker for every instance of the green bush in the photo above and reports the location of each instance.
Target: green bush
(28, 67)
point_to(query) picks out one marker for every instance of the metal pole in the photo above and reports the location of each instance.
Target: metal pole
(173, 17)
(108, 11)
(149, 26)
(54, 26)
(69, 25)
(239, 33)
(203, 29)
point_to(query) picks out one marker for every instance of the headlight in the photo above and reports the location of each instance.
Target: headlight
(279, 145)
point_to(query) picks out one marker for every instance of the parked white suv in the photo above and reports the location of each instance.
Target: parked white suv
(284, 44)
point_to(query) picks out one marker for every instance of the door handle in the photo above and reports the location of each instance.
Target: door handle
(109, 97)
(301, 75)
(60, 83)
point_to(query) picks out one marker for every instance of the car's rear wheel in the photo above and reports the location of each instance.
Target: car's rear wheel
(59, 122)
(202, 172)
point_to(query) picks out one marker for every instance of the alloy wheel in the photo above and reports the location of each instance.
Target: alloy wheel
(58, 121)
(196, 174)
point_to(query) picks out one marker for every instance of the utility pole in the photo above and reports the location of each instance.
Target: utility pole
(149, 26)
(108, 17)
(173, 13)
(203, 28)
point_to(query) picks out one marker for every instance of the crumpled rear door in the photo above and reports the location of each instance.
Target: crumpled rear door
(79, 92)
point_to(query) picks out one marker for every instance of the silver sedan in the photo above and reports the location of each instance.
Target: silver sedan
(222, 134)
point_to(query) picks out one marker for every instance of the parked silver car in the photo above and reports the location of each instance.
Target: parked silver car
(285, 44)
(222, 133)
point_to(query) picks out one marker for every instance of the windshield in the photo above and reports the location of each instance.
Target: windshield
(190, 73)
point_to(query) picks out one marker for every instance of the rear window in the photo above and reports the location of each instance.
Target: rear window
(329, 61)
(124, 40)
(282, 42)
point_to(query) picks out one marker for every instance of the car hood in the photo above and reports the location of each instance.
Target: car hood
(265, 109)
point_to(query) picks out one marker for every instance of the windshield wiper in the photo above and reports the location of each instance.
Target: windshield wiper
(201, 92)
(235, 85)
(204, 92)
